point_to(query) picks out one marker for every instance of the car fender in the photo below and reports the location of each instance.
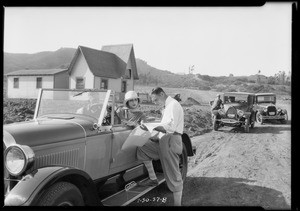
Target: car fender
(260, 111)
(188, 144)
(28, 191)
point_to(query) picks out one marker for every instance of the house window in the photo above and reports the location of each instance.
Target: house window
(104, 84)
(39, 82)
(80, 83)
(16, 83)
(127, 74)
(123, 86)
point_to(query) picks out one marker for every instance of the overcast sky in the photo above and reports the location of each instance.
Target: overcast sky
(216, 40)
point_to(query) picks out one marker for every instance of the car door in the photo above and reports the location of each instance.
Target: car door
(121, 159)
(98, 154)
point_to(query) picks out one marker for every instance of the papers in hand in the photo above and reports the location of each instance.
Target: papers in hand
(151, 126)
(138, 136)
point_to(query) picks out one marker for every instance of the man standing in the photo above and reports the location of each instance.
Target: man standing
(168, 147)
(217, 104)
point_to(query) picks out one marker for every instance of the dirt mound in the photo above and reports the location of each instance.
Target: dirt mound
(191, 101)
(197, 120)
(17, 110)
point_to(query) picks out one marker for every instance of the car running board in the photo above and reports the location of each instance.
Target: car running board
(131, 192)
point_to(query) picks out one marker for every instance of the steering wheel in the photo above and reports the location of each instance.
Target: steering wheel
(107, 118)
(95, 108)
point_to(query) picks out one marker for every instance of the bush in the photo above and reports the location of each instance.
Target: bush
(18, 110)
(231, 89)
(204, 87)
(237, 83)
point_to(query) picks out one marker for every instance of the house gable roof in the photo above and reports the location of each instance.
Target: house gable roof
(32, 72)
(124, 52)
(101, 63)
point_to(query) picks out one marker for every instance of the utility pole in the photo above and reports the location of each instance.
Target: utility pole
(191, 69)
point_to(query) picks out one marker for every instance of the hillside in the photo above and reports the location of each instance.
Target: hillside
(60, 58)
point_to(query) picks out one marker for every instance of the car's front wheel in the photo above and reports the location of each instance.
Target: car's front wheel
(259, 118)
(215, 123)
(252, 124)
(62, 194)
(247, 125)
(284, 121)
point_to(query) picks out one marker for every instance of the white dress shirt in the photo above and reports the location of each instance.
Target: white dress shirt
(173, 116)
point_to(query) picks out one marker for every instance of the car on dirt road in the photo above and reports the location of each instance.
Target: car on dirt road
(237, 111)
(71, 153)
(266, 109)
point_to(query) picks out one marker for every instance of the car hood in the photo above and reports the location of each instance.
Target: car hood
(46, 131)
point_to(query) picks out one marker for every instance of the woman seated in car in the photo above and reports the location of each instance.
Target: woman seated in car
(131, 114)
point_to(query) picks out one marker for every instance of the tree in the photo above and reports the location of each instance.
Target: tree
(271, 80)
(258, 77)
(280, 77)
(191, 69)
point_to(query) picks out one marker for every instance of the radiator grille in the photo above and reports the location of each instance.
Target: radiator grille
(231, 112)
(67, 157)
(271, 110)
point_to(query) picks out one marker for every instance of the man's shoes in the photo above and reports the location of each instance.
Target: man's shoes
(148, 182)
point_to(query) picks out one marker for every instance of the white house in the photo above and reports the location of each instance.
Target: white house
(113, 67)
(26, 83)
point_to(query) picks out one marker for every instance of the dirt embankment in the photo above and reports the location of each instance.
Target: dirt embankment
(233, 168)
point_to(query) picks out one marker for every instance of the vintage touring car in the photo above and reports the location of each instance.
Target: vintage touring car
(70, 153)
(237, 111)
(266, 109)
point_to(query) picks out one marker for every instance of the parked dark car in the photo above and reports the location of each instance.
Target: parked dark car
(237, 111)
(266, 109)
(72, 151)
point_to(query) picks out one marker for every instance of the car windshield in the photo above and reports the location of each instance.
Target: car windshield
(54, 103)
(236, 98)
(266, 99)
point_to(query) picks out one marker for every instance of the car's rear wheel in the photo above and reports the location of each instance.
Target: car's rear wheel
(259, 118)
(62, 194)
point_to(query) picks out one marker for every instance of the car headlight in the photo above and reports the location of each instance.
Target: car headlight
(18, 158)
(265, 109)
(240, 112)
(279, 110)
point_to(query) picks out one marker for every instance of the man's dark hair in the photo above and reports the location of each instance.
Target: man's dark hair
(157, 91)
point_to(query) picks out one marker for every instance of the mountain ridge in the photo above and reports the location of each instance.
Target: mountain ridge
(148, 75)
(62, 57)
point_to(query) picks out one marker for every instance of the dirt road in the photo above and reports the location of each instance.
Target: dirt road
(233, 168)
